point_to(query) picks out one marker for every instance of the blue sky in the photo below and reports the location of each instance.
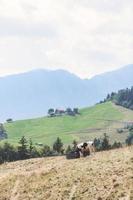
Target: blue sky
(84, 37)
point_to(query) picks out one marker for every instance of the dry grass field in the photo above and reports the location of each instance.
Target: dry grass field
(104, 175)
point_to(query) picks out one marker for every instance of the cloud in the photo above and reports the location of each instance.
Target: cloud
(85, 37)
(20, 28)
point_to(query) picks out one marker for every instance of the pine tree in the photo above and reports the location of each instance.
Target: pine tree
(129, 140)
(69, 149)
(23, 148)
(74, 144)
(105, 142)
(58, 145)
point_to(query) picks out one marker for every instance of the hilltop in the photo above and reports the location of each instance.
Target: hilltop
(92, 122)
(102, 176)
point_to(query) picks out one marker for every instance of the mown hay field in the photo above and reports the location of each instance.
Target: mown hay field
(102, 176)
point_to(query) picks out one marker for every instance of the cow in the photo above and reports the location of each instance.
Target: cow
(86, 148)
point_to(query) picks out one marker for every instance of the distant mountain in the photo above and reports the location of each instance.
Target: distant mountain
(30, 94)
(111, 81)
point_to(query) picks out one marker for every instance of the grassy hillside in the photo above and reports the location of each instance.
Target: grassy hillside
(102, 176)
(91, 123)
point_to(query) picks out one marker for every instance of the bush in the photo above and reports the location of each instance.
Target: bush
(116, 145)
(8, 153)
(46, 151)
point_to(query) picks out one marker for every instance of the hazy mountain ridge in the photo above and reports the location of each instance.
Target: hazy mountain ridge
(112, 81)
(30, 94)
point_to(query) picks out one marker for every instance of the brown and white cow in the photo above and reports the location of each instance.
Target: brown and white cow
(86, 148)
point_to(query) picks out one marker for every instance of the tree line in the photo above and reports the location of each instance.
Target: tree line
(104, 143)
(26, 149)
(123, 98)
(57, 112)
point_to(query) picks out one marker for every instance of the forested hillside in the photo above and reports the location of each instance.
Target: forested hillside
(122, 97)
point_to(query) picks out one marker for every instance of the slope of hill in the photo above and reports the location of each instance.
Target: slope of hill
(92, 122)
(31, 94)
(102, 176)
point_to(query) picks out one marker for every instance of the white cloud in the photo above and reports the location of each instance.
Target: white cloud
(85, 37)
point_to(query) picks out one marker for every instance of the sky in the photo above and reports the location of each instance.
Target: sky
(85, 37)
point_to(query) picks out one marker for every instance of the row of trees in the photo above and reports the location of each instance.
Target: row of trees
(26, 149)
(104, 143)
(57, 112)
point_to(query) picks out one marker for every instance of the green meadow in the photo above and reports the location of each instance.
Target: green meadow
(92, 122)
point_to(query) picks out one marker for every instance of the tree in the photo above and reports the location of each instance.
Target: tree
(108, 97)
(69, 149)
(76, 111)
(3, 133)
(31, 147)
(23, 149)
(7, 153)
(129, 140)
(97, 144)
(131, 128)
(51, 112)
(70, 112)
(105, 142)
(9, 120)
(58, 145)
(74, 144)
(112, 95)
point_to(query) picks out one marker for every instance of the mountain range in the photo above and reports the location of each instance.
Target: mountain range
(32, 93)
